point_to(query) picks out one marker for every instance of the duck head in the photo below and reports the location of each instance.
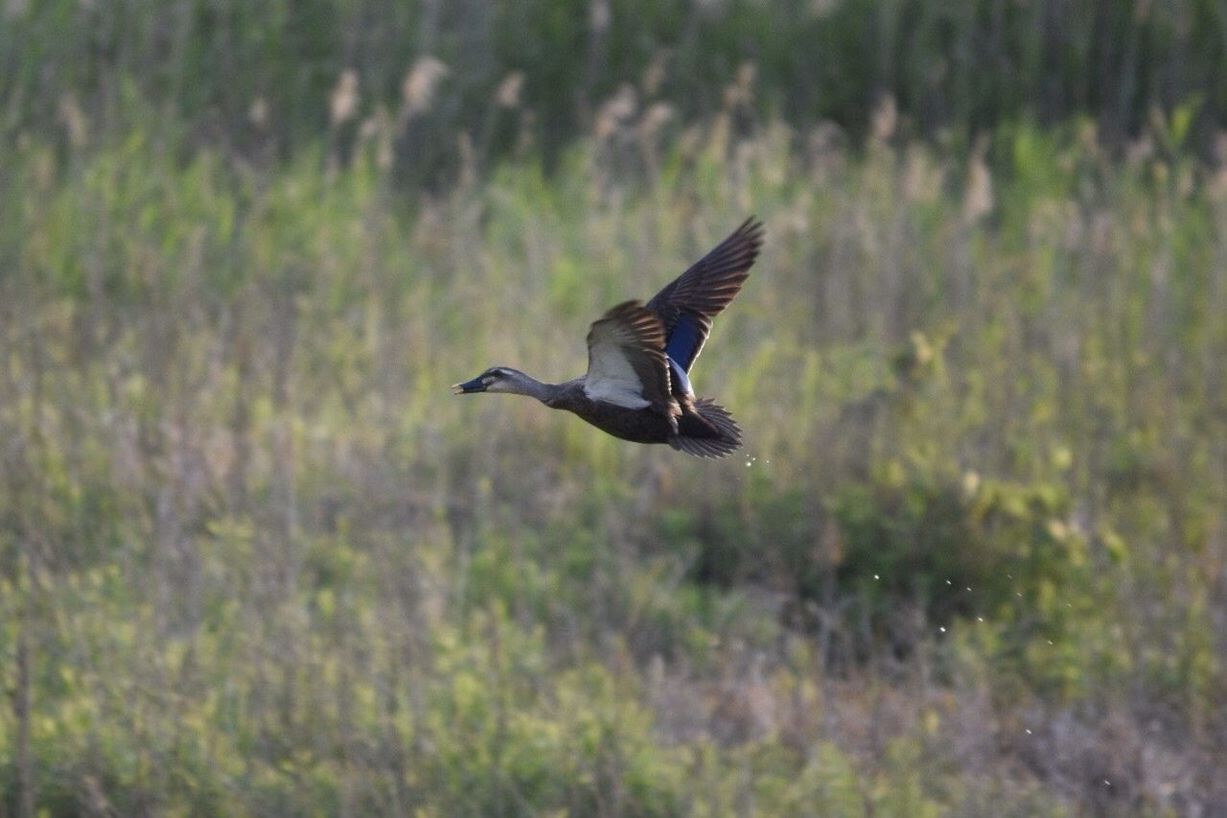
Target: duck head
(494, 379)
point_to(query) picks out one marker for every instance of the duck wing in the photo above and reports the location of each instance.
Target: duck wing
(626, 360)
(688, 304)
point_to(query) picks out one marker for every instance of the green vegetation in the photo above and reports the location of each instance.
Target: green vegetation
(256, 77)
(256, 560)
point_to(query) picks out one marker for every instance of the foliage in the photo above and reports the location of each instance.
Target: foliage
(492, 78)
(255, 559)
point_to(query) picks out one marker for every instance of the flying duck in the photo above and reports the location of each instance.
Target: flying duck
(639, 357)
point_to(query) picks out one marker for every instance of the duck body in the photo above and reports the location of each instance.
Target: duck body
(700, 420)
(637, 386)
(642, 425)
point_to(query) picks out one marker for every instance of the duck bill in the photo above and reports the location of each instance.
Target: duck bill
(469, 387)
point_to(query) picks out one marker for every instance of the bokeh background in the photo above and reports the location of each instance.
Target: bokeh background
(255, 559)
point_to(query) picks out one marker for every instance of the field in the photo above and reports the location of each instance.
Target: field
(255, 559)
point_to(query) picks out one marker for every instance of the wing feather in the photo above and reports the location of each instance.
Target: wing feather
(687, 305)
(626, 360)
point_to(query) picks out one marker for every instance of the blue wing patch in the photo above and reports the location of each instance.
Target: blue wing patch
(684, 341)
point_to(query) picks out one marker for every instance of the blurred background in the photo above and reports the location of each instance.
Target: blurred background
(255, 559)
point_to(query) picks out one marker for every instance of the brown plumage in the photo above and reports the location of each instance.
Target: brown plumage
(639, 356)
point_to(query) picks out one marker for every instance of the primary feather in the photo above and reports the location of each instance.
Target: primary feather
(687, 305)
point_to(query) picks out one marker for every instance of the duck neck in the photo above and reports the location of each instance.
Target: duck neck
(533, 388)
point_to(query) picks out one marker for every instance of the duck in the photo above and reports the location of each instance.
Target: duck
(638, 386)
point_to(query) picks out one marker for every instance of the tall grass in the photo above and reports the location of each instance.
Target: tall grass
(257, 560)
(249, 78)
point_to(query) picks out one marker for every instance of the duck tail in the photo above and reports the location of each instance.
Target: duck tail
(707, 431)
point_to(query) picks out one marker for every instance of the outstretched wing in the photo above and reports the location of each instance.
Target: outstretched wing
(687, 306)
(626, 360)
